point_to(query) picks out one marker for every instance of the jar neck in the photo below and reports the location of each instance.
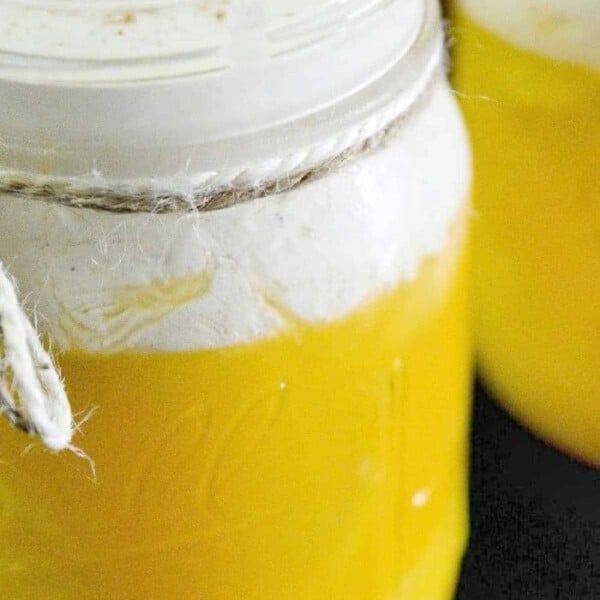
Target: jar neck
(176, 133)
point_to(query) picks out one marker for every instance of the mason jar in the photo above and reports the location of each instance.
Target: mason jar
(241, 229)
(528, 75)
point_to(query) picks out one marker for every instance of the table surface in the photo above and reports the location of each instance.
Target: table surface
(535, 517)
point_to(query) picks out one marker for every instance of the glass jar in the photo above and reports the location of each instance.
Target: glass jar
(247, 248)
(528, 74)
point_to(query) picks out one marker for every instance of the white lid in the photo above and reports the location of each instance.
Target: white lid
(150, 88)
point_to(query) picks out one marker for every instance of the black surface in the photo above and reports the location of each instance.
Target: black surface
(535, 517)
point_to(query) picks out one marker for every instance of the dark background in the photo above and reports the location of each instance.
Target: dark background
(535, 516)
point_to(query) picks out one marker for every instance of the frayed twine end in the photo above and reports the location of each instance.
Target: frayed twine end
(32, 394)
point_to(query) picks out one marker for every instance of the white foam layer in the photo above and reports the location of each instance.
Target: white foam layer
(566, 30)
(106, 282)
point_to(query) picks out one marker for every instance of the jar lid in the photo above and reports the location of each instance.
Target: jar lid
(148, 88)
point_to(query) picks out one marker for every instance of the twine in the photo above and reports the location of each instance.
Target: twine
(32, 395)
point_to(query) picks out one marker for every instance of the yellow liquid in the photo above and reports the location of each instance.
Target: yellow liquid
(327, 463)
(535, 127)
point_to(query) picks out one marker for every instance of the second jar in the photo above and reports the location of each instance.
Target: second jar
(528, 75)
